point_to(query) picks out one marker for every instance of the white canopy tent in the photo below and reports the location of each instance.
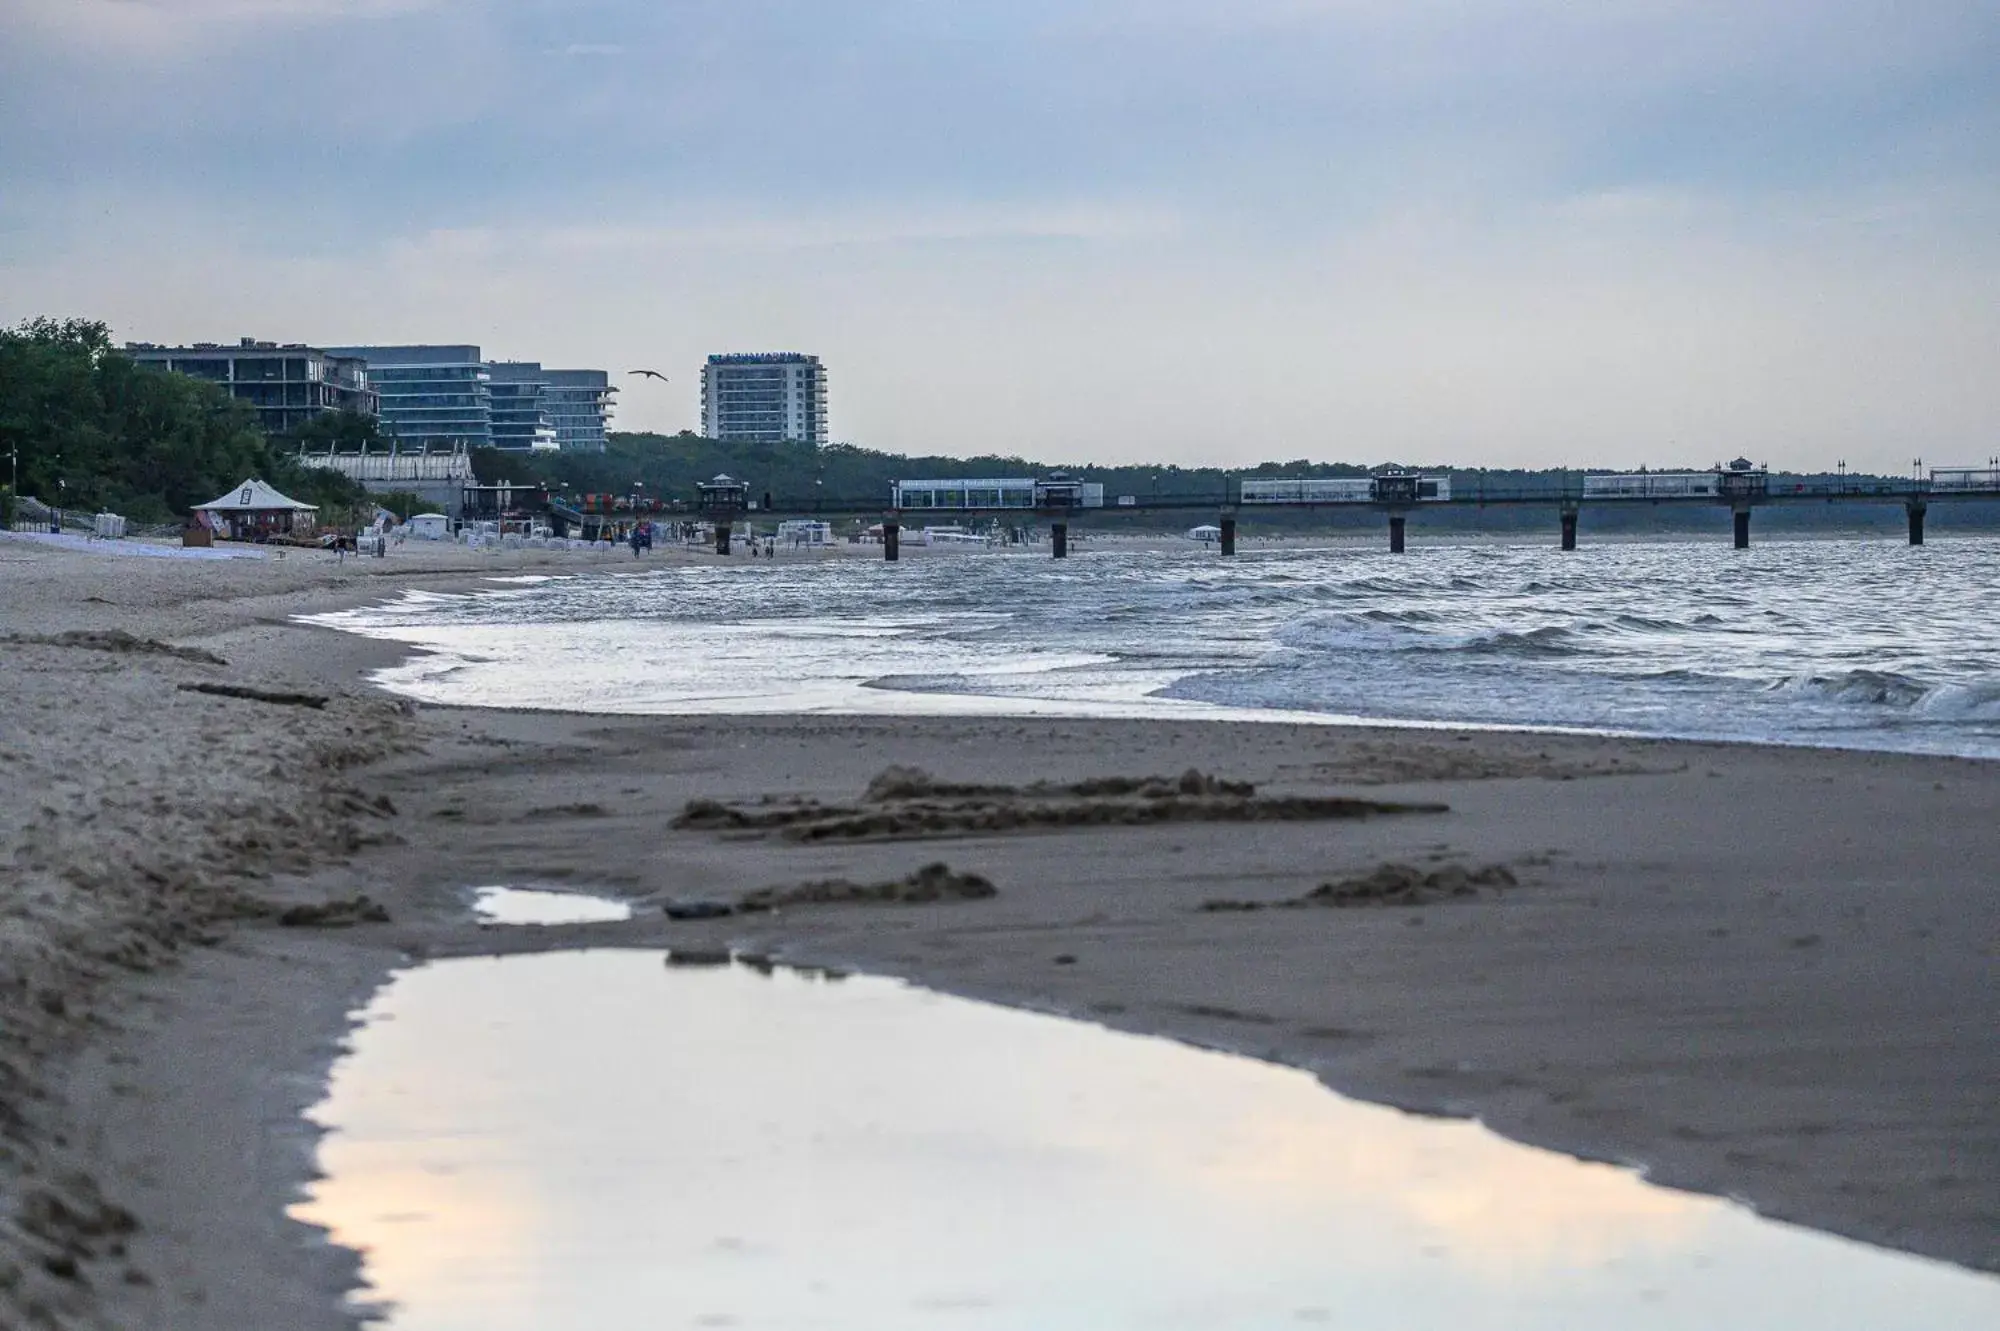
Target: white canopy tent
(255, 509)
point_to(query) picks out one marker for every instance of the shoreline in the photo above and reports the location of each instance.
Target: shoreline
(1834, 1082)
(1378, 659)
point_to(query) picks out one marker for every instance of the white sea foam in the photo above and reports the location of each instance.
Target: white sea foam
(1859, 643)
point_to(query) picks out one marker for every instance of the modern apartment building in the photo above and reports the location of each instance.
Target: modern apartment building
(766, 397)
(428, 398)
(540, 409)
(521, 421)
(579, 403)
(431, 396)
(287, 383)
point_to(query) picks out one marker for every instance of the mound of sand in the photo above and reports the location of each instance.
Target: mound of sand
(933, 882)
(1388, 885)
(905, 803)
(117, 640)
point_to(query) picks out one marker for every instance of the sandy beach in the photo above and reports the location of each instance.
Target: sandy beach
(1759, 972)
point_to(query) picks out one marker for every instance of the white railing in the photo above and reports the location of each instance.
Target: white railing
(390, 467)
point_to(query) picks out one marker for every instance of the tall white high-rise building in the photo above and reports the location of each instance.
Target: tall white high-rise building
(765, 397)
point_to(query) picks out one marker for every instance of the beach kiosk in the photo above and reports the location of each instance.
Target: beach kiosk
(253, 511)
(722, 501)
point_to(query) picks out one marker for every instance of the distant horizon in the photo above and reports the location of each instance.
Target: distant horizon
(1384, 464)
(122, 343)
(1832, 471)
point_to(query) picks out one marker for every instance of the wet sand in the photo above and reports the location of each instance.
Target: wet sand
(1761, 972)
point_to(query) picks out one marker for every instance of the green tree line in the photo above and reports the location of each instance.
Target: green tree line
(90, 428)
(667, 467)
(86, 427)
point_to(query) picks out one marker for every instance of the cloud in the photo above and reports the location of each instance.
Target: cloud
(156, 27)
(1483, 230)
(740, 228)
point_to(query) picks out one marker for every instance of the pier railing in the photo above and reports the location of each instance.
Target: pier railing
(1736, 492)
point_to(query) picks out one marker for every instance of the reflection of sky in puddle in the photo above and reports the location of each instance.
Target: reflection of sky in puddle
(527, 905)
(592, 1140)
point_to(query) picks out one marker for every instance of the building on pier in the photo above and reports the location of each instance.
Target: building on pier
(1985, 479)
(964, 493)
(1653, 485)
(977, 494)
(1391, 487)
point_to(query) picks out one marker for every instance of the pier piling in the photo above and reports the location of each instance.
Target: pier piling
(722, 538)
(1741, 488)
(891, 535)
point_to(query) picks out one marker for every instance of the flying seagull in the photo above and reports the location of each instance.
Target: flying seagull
(651, 373)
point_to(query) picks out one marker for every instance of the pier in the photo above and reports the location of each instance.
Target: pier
(1059, 502)
(1400, 498)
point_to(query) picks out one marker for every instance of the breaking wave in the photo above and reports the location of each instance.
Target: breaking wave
(1411, 631)
(1885, 688)
(1976, 699)
(1856, 643)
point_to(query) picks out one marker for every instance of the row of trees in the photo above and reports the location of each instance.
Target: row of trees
(84, 426)
(667, 467)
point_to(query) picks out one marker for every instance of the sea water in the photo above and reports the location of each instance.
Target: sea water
(1854, 643)
(596, 1140)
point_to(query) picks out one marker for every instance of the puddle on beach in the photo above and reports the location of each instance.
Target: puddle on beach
(525, 905)
(597, 1140)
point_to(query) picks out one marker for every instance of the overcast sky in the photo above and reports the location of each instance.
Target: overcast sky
(1527, 233)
